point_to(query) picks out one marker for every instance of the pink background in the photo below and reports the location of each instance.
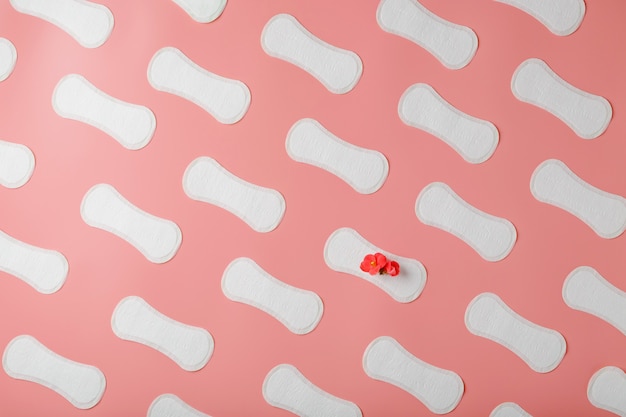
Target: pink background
(72, 156)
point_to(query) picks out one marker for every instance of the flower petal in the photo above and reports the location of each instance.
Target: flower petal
(392, 268)
(381, 259)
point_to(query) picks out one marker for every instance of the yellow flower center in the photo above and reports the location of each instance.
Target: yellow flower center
(373, 263)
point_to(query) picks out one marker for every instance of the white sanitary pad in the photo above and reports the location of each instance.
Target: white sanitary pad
(509, 410)
(588, 115)
(76, 98)
(438, 389)
(105, 208)
(344, 251)
(261, 208)
(43, 269)
(554, 183)
(561, 17)
(453, 45)
(27, 359)
(586, 290)
(17, 164)
(246, 282)
(492, 237)
(285, 387)
(339, 70)
(169, 405)
(474, 139)
(225, 99)
(363, 169)
(607, 390)
(90, 24)
(203, 11)
(189, 346)
(489, 317)
(8, 57)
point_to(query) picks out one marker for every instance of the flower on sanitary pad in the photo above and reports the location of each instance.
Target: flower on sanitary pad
(392, 268)
(378, 263)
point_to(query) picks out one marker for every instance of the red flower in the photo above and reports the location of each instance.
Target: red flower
(374, 264)
(392, 268)
(378, 264)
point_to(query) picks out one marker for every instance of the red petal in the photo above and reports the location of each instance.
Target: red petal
(392, 268)
(380, 259)
(366, 265)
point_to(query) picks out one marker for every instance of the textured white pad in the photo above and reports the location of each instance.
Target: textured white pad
(169, 405)
(285, 387)
(27, 359)
(261, 208)
(344, 251)
(203, 11)
(17, 164)
(453, 45)
(105, 208)
(135, 320)
(90, 24)
(76, 98)
(474, 139)
(607, 390)
(8, 57)
(554, 183)
(586, 290)
(225, 99)
(509, 410)
(439, 389)
(489, 317)
(492, 237)
(339, 70)
(586, 114)
(561, 17)
(363, 169)
(43, 269)
(246, 282)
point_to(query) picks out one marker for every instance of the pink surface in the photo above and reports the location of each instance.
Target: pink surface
(72, 156)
